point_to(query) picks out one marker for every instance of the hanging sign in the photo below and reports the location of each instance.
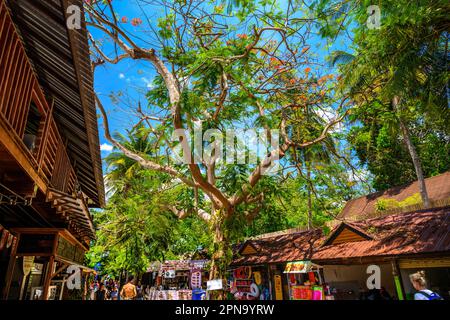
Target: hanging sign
(257, 277)
(28, 263)
(216, 284)
(298, 267)
(278, 288)
(196, 278)
(243, 273)
(3, 238)
(9, 241)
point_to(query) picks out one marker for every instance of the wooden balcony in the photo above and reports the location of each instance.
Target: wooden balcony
(19, 89)
(28, 131)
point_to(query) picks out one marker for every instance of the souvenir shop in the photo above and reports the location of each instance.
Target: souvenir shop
(180, 280)
(249, 283)
(36, 264)
(305, 280)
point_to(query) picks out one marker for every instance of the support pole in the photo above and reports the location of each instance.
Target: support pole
(48, 277)
(11, 266)
(397, 280)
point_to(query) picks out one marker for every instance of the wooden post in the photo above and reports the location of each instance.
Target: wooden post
(48, 277)
(397, 280)
(269, 278)
(11, 266)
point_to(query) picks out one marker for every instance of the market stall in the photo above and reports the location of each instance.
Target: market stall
(250, 283)
(305, 281)
(180, 280)
(41, 263)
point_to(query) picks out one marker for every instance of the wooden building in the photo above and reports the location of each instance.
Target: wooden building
(50, 166)
(399, 241)
(399, 244)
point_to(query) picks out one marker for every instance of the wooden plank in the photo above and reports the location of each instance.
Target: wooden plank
(347, 236)
(9, 83)
(48, 277)
(25, 100)
(4, 75)
(439, 262)
(18, 92)
(10, 270)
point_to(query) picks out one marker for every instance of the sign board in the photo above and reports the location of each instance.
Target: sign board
(28, 263)
(216, 284)
(278, 288)
(196, 278)
(299, 267)
(257, 277)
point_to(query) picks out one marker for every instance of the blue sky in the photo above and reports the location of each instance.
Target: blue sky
(135, 77)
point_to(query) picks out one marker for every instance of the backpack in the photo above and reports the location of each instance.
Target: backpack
(432, 296)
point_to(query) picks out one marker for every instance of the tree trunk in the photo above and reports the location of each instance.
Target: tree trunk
(414, 156)
(308, 186)
(219, 258)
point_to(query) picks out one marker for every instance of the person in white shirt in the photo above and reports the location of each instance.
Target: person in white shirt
(420, 284)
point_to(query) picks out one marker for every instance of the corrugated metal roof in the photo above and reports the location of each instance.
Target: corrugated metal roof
(282, 248)
(438, 188)
(61, 61)
(419, 232)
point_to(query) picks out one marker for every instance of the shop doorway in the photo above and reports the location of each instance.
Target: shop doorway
(349, 282)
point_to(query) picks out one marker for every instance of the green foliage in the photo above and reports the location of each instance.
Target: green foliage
(387, 204)
(408, 58)
(136, 227)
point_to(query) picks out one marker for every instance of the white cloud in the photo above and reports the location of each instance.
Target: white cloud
(329, 115)
(106, 147)
(147, 82)
(121, 76)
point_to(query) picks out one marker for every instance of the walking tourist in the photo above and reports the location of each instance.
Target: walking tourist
(128, 291)
(139, 291)
(101, 293)
(419, 283)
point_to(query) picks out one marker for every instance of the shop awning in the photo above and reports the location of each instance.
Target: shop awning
(304, 266)
(67, 262)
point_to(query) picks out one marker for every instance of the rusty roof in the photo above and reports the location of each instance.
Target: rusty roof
(418, 232)
(61, 60)
(280, 248)
(438, 188)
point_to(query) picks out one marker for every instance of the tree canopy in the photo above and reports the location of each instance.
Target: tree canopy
(336, 123)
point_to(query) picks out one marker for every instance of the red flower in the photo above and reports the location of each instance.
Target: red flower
(136, 21)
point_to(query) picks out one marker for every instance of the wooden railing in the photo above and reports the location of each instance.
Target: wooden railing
(18, 89)
(16, 76)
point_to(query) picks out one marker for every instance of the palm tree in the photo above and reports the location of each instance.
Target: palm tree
(122, 169)
(403, 65)
(306, 159)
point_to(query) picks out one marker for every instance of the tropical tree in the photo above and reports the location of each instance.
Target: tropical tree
(222, 70)
(398, 73)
